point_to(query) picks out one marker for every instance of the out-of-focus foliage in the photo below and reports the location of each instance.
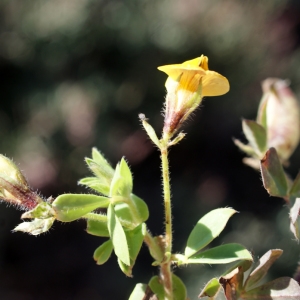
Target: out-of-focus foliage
(76, 74)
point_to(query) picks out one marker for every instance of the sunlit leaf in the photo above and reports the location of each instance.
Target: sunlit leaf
(103, 252)
(211, 289)
(207, 229)
(70, 207)
(97, 228)
(141, 211)
(221, 255)
(135, 239)
(95, 184)
(118, 236)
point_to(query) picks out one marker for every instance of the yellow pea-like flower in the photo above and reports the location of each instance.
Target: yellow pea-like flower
(191, 71)
(186, 85)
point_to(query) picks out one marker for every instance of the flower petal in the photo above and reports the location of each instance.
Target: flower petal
(214, 84)
(201, 62)
(175, 71)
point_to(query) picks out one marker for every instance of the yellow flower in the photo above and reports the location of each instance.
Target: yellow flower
(186, 85)
(190, 72)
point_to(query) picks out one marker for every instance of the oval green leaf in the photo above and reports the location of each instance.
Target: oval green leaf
(135, 240)
(103, 252)
(70, 207)
(97, 228)
(273, 175)
(211, 289)
(223, 254)
(95, 184)
(118, 236)
(207, 229)
(179, 289)
(141, 211)
(256, 135)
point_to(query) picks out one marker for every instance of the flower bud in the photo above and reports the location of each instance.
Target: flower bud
(14, 187)
(279, 114)
(186, 85)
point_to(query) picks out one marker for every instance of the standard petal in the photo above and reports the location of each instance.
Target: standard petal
(175, 71)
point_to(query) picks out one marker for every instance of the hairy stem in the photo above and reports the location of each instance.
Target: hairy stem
(166, 273)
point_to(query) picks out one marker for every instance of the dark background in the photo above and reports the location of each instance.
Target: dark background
(76, 74)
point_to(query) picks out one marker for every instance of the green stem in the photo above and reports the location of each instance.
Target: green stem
(166, 273)
(167, 197)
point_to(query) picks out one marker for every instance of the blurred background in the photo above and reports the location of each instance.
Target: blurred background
(76, 74)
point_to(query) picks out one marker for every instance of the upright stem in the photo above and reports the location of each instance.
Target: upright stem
(166, 273)
(167, 198)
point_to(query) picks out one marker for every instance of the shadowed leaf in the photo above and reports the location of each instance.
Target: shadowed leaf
(273, 176)
(207, 229)
(265, 262)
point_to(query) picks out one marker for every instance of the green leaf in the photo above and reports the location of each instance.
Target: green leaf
(127, 178)
(127, 270)
(103, 252)
(207, 229)
(97, 228)
(265, 262)
(157, 287)
(294, 216)
(118, 236)
(35, 227)
(211, 289)
(273, 175)
(179, 289)
(70, 207)
(122, 181)
(245, 148)
(135, 240)
(281, 288)
(101, 161)
(223, 254)
(256, 135)
(262, 111)
(295, 188)
(99, 166)
(123, 211)
(141, 291)
(95, 184)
